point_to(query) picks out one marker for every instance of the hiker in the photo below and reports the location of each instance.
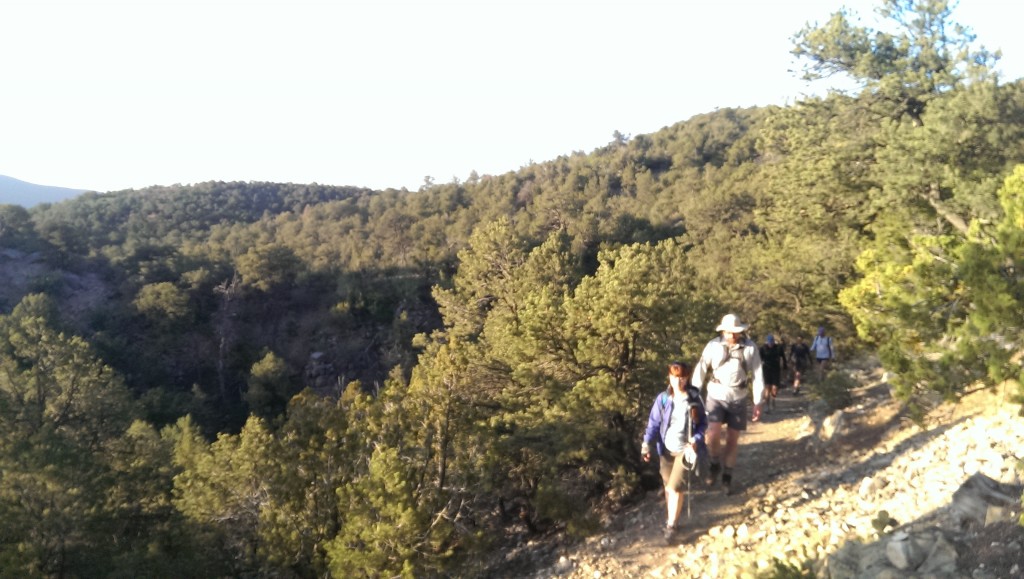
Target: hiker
(823, 352)
(773, 361)
(800, 360)
(676, 430)
(726, 365)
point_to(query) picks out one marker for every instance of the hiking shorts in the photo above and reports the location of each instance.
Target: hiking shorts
(673, 470)
(733, 414)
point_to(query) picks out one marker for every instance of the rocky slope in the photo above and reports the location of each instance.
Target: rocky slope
(861, 493)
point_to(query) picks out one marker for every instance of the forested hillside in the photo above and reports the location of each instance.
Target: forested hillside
(242, 379)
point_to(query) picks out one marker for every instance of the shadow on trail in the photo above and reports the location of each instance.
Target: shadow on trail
(826, 465)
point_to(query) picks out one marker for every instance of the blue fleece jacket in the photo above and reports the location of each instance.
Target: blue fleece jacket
(661, 416)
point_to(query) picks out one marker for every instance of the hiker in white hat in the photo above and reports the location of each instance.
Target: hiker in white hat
(728, 363)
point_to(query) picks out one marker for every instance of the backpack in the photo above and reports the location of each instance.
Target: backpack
(709, 370)
(819, 341)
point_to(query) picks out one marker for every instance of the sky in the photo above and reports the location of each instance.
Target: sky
(382, 94)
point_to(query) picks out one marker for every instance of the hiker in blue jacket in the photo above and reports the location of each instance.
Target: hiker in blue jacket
(675, 431)
(823, 352)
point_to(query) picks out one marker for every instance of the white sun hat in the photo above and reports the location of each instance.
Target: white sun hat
(731, 323)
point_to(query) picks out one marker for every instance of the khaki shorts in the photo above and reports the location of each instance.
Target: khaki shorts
(673, 471)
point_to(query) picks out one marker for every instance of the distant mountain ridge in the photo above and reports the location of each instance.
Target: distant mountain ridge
(16, 192)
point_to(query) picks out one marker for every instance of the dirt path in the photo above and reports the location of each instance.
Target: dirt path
(781, 463)
(771, 459)
(769, 455)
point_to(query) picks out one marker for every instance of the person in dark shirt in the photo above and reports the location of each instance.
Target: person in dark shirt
(800, 356)
(773, 361)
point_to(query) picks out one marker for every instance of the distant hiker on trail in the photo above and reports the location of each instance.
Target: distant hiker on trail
(727, 364)
(676, 430)
(773, 361)
(823, 351)
(800, 358)
(781, 341)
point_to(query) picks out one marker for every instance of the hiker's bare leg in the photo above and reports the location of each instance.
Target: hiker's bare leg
(713, 437)
(674, 505)
(732, 447)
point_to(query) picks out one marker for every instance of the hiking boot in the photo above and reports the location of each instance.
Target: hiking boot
(796, 392)
(727, 483)
(713, 471)
(670, 534)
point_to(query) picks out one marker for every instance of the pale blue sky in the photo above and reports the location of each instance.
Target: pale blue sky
(117, 95)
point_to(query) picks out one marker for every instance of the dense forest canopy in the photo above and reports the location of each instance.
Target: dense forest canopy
(232, 379)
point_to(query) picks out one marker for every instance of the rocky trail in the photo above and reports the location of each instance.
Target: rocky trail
(855, 494)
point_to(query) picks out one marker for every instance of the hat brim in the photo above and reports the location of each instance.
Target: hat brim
(734, 329)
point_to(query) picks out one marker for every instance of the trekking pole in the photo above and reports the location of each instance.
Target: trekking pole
(693, 467)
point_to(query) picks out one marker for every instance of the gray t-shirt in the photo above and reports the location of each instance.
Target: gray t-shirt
(724, 370)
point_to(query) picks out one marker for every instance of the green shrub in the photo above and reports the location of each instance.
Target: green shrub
(836, 390)
(783, 570)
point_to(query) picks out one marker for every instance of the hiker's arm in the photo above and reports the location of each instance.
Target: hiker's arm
(755, 363)
(699, 376)
(700, 425)
(653, 431)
